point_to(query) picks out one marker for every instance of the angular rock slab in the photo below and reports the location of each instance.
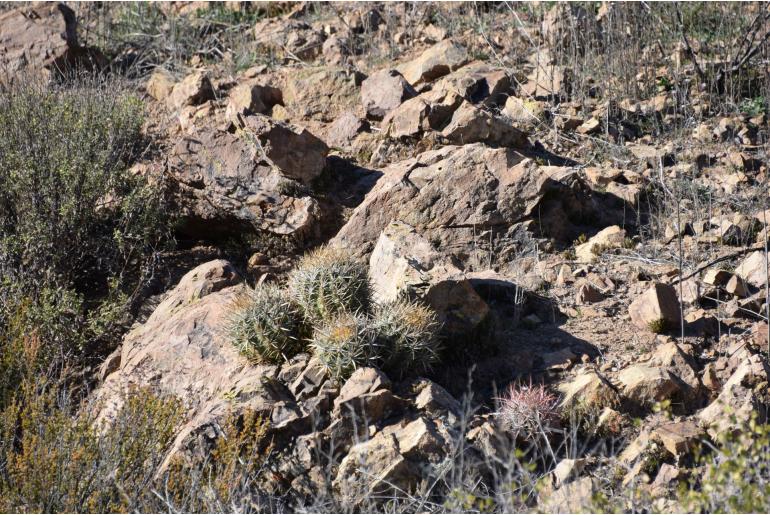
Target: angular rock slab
(183, 351)
(452, 194)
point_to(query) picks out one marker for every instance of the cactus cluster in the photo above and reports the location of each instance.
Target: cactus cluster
(330, 296)
(329, 281)
(265, 325)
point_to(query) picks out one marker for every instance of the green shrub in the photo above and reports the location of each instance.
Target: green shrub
(71, 214)
(408, 335)
(265, 325)
(328, 282)
(344, 344)
(77, 229)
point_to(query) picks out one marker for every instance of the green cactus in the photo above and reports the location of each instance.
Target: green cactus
(265, 325)
(408, 334)
(344, 344)
(328, 282)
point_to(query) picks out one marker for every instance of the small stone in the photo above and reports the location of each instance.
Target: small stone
(657, 309)
(588, 294)
(608, 238)
(646, 385)
(710, 378)
(160, 84)
(384, 91)
(194, 89)
(564, 276)
(737, 286)
(678, 437)
(717, 277)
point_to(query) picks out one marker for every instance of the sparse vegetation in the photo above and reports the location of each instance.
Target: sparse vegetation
(120, 386)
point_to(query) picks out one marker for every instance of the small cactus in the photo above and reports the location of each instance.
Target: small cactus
(344, 344)
(265, 325)
(329, 281)
(528, 409)
(408, 334)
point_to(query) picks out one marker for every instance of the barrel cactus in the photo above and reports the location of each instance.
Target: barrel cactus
(344, 344)
(408, 336)
(329, 281)
(265, 325)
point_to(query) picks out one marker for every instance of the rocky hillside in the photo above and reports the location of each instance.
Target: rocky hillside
(535, 271)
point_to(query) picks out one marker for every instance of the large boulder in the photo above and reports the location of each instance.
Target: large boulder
(42, 39)
(182, 351)
(451, 195)
(249, 178)
(404, 265)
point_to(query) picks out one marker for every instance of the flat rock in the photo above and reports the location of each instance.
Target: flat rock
(435, 62)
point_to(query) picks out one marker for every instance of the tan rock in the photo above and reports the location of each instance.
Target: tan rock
(225, 179)
(182, 351)
(524, 112)
(573, 497)
(656, 309)
(753, 269)
(321, 92)
(392, 459)
(588, 390)
(251, 98)
(491, 187)
(679, 437)
(160, 84)
(384, 91)
(610, 422)
(194, 89)
(645, 385)
(401, 261)
(588, 294)
(362, 381)
(435, 62)
(737, 287)
(345, 129)
(608, 238)
(471, 124)
(567, 470)
(716, 277)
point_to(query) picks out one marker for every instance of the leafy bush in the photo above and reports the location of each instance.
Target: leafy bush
(77, 229)
(328, 282)
(54, 457)
(265, 325)
(344, 344)
(407, 332)
(70, 212)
